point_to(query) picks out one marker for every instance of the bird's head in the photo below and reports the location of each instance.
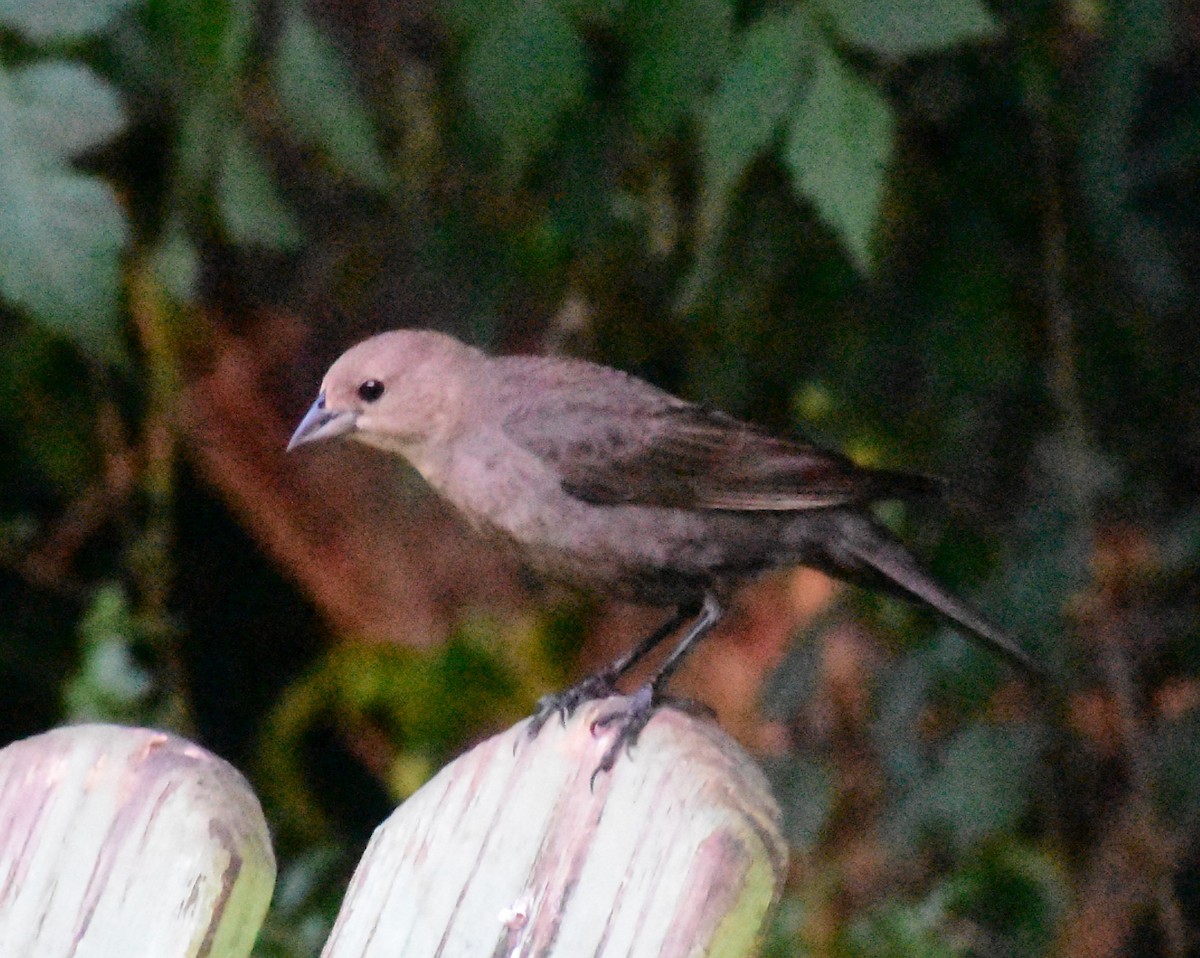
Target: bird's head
(397, 390)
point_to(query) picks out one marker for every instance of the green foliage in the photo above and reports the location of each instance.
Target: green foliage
(981, 787)
(806, 791)
(521, 73)
(48, 21)
(901, 28)
(248, 201)
(112, 684)
(429, 704)
(1113, 181)
(1175, 757)
(678, 51)
(1011, 889)
(62, 232)
(838, 150)
(49, 421)
(1007, 899)
(766, 78)
(308, 892)
(63, 109)
(770, 69)
(904, 931)
(317, 91)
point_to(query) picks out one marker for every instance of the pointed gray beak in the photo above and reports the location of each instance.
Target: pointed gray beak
(321, 423)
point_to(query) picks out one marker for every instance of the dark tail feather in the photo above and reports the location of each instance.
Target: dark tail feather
(891, 560)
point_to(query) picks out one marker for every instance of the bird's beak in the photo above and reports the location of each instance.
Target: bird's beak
(322, 423)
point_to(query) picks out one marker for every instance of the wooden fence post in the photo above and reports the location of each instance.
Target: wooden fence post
(508, 852)
(118, 841)
(128, 842)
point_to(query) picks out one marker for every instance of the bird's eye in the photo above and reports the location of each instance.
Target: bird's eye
(371, 390)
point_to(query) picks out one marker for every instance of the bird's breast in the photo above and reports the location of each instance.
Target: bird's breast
(649, 554)
(638, 553)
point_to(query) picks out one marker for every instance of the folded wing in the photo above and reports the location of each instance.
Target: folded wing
(622, 441)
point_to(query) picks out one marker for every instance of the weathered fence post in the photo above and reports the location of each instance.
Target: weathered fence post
(509, 852)
(128, 842)
(118, 841)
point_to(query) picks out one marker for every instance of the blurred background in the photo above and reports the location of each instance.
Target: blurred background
(949, 236)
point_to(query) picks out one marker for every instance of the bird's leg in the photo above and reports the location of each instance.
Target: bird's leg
(649, 698)
(604, 682)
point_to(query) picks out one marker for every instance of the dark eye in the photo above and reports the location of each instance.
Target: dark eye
(371, 390)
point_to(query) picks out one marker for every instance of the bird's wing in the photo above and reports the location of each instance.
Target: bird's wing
(616, 440)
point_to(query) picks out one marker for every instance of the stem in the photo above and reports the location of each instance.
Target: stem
(151, 561)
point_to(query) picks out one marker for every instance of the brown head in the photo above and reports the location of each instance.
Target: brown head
(397, 390)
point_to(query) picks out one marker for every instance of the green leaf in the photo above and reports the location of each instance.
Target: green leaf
(61, 239)
(1014, 889)
(768, 74)
(207, 47)
(902, 930)
(521, 75)
(679, 48)
(251, 210)
(838, 150)
(198, 48)
(983, 785)
(40, 21)
(317, 90)
(773, 62)
(900, 28)
(110, 685)
(805, 791)
(176, 263)
(65, 109)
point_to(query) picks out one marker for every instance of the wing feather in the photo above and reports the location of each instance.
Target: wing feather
(615, 439)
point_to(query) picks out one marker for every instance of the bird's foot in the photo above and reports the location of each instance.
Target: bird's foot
(631, 720)
(563, 704)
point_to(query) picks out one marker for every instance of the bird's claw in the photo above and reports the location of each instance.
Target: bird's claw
(563, 704)
(630, 722)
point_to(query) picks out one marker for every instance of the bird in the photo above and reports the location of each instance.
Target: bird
(601, 480)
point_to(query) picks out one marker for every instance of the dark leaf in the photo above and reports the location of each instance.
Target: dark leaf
(838, 151)
(900, 28)
(521, 74)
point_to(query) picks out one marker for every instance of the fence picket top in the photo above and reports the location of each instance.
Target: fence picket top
(128, 841)
(509, 851)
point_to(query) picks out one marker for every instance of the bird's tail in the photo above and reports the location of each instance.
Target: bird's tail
(877, 549)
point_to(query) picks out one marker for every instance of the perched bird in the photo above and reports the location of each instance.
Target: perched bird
(608, 483)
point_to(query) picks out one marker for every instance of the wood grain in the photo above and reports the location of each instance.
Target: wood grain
(128, 842)
(509, 852)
